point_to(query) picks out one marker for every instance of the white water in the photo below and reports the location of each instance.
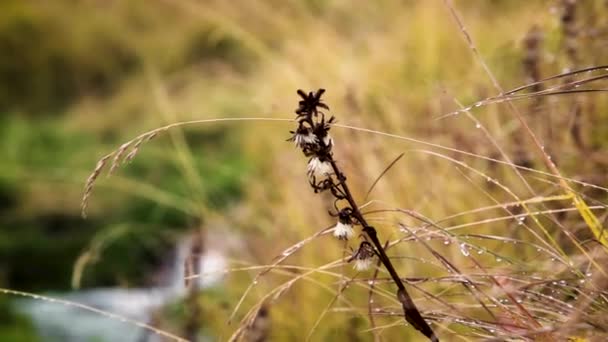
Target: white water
(56, 322)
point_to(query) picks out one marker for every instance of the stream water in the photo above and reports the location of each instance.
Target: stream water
(57, 322)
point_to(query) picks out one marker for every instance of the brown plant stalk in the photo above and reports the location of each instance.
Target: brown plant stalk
(312, 136)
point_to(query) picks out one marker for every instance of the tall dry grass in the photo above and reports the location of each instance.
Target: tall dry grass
(494, 214)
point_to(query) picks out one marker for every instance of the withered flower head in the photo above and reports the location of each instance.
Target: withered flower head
(303, 137)
(344, 227)
(312, 137)
(363, 257)
(309, 103)
(319, 167)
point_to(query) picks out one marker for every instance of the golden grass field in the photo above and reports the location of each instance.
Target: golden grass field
(493, 215)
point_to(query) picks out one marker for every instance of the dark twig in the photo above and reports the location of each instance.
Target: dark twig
(312, 136)
(192, 266)
(370, 300)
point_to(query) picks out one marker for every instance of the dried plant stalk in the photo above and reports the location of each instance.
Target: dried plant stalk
(312, 137)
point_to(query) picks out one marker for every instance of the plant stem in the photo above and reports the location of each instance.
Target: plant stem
(412, 314)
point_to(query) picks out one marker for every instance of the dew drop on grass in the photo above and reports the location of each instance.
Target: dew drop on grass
(478, 125)
(464, 249)
(480, 251)
(498, 259)
(446, 242)
(292, 249)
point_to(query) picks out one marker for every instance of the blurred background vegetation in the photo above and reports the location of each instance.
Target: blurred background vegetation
(80, 77)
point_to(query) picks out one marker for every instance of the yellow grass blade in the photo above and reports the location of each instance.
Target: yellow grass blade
(591, 220)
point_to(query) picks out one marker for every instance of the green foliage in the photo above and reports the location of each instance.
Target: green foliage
(13, 326)
(40, 243)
